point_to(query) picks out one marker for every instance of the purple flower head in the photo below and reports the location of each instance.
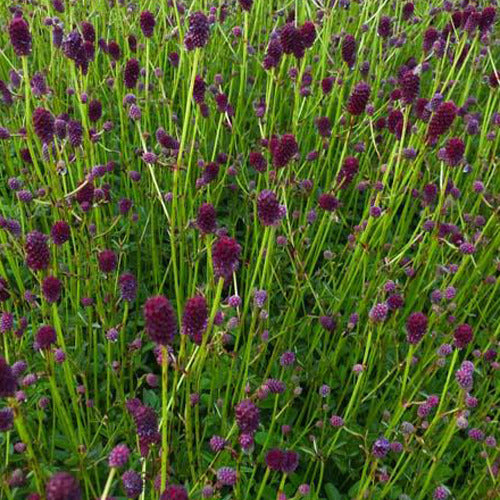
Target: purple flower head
(378, 313)
(119, 456)
(336, 421)
(440, 493)
(6, 419)
(381, 447)
(290, 462)
(6, 322)
(328, 323)
(246, 442)
(63, 486)
(217, 443)
(128, 287)
(247, 416)
(227, 476)
(260, 297)
(132, 484)
(287, 358)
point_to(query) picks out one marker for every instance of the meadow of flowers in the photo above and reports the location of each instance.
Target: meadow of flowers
(249, 249)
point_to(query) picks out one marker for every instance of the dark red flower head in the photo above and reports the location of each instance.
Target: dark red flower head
(88, 31)
(308, 34)
(199, 88)
(107, 261)
(269, 209)
(410, 86)
(290, 461)
(430, 36)
(258, 161)
(43, 124)
(273, 54)
(328, 202)
(292, 41)
(358, 99)
(45, 337)
(206, 221)
(324, 126)
(75, 133)
(274, 459)
(161, 323)
(174, 492)
(408, 9)
(441, 120)
(147, 23)
(20, 36)
(194, 320)
(8, 382)
(132, 483)
(37, 251)
(95, 110)
(348, 50)
(487, 18)
(283, 150)
(60, 232)
(246, 4)
(51, 288)
(226, 255)
(348, 171)
(199, 30)
(416, 326)
(132, 43)
(463, 335)
(131, 73)
(385, 27)
(63, 486)
(454, 151)
(327, 84)
(114, 50)
(4, 292)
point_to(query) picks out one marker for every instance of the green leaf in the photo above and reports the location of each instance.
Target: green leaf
(260, 437)
(332, 492)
